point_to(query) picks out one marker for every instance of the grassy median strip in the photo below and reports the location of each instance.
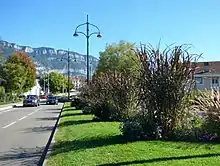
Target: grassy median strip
(80, 141)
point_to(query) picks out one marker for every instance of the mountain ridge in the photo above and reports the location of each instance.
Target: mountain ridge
(48, 59)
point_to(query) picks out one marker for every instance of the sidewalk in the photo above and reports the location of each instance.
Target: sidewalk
(9, 106)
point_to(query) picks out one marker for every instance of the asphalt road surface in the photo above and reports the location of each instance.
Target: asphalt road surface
(24, 132)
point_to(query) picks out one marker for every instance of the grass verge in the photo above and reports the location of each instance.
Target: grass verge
(81, 141)
(10, 102)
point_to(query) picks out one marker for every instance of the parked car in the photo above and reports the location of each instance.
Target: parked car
(63, 99)
(43, 97)
(31, 100)
(52, 100)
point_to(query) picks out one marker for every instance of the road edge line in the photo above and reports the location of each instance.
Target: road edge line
(46, 152)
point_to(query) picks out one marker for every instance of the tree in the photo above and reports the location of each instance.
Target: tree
(118, 57)
(14, 75)
(2, 58)
(57, 81)
(22, 59)
(18, 73)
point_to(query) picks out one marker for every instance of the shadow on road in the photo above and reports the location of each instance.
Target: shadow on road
(21, 156)
(18, 106)
(54, 109)
(39, 129)
(47, 118)
(55, 112)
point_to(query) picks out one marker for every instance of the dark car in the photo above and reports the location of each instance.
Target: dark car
(31, 100)
(63, 99)
(52, 100)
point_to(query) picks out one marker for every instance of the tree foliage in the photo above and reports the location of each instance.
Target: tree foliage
(18, 73)
(57, 82)
(118, 57)
(14, 77)
(112, 95)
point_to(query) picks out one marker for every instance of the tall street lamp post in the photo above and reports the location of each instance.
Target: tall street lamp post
(87, 35)
(68, 68)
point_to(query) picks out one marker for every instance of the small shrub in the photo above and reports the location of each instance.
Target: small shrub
(112, 96)
(87, 110)
(131, 130)
(206, 104)
(191, 130)
(105, 112)
(77, 103)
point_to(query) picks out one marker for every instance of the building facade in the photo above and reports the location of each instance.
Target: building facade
(78, 81)
(207, 75)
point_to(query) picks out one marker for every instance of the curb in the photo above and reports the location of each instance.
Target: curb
(10, 106)
(48, 147)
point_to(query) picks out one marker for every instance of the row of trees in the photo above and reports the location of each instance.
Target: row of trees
(57, 82)
(152, 93)
(18, 75)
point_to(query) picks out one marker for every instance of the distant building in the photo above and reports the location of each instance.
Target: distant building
(36, 90)
(78, 81)
(207, 75)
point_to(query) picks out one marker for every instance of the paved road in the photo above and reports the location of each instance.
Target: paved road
(24, 133)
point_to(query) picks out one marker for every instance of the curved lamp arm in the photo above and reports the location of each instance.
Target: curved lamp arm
(98, 34)
(76, 33)
(95, 27)
(80, 26)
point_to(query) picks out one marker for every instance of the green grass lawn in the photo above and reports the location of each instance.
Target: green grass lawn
(82, 142)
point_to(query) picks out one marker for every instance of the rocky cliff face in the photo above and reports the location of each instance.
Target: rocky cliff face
(49, 59)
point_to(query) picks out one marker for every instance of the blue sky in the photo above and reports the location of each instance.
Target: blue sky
(52, 22)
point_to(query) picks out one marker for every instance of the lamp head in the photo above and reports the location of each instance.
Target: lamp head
(99, 35)
(75, 34)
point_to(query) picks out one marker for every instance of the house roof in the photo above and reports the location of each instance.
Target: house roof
(208, 67)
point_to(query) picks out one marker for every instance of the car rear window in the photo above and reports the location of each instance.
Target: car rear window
(31, 97)
(52, 98)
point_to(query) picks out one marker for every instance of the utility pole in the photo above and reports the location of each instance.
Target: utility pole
(68, 66)
(87, 48)
(44, 85)
(48, 90)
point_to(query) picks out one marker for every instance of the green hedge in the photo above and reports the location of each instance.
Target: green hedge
(7, 98)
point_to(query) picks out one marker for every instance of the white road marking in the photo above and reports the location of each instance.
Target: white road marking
(9, 125)
(33, 112)
(20, 119)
